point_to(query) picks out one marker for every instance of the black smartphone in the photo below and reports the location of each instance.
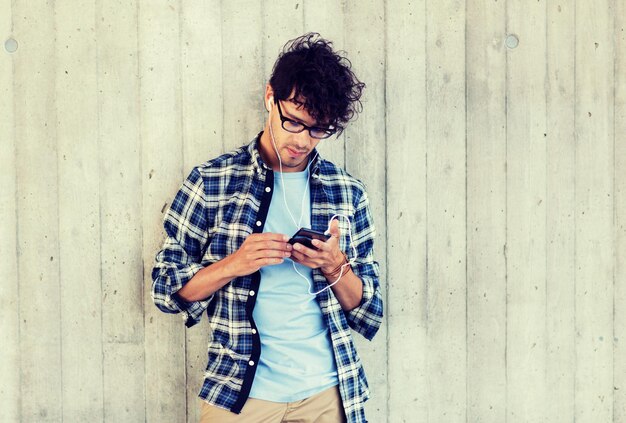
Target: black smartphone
(306, 236)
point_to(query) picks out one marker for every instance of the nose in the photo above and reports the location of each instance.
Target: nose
(302, 140)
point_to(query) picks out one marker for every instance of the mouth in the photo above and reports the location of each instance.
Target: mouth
(295, 153)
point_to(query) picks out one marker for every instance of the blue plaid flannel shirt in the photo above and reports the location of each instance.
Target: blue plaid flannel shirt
(220, 203)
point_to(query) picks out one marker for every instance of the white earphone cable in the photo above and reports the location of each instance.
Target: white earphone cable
(298, 224)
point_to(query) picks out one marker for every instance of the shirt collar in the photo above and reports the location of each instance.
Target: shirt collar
(257, 162)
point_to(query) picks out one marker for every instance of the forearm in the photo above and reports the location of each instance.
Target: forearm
(348, 290)
(257, 250)
(207, 281)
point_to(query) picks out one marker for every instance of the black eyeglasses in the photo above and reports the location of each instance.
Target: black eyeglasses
(296, 127)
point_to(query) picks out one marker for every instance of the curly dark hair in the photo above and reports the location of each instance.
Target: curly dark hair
(322, 79)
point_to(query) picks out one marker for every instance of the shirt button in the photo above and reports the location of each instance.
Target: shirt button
(252, 293)
(253, 331)
(267, 189)
(251, 363)
(258, 223)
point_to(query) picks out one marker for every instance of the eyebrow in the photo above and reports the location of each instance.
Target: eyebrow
(292, 117)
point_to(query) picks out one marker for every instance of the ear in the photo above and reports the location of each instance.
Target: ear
(269, 97)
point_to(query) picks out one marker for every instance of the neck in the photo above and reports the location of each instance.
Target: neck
(266, 150)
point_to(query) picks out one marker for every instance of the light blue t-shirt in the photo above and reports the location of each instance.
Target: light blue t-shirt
(297, 358)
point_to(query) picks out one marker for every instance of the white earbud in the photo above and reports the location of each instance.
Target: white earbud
(269, 103)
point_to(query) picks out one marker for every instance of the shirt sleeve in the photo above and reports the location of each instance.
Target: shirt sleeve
(179, 260)
(367, 317)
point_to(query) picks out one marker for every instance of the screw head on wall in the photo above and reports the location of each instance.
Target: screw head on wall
(10, 45)
(511, 41)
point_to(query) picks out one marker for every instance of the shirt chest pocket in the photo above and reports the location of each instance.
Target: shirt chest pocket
(229, 232)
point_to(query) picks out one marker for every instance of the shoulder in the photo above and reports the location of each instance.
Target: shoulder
(344, 188)
(227, 161)
(223, 175)
(234, 164)
(335, 175)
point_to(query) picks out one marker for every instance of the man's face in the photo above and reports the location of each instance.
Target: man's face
(293, 148)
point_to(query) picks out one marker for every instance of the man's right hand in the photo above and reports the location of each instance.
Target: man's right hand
(259, 250)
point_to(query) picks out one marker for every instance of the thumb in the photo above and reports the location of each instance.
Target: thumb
(334, 228)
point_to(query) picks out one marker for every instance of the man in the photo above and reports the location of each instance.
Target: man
(281, 348)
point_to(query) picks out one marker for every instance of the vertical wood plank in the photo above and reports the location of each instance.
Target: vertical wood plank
(526, 215)
(366, 160)
(120, 203)
(73, 170)
(485, 60)
(327, 18)
(162, 161)
(201, 75)
(446, 213)
(560, 229)
(619, 204)
(202, 126)
(594, 211)
(9, 290)
(37, 211)
(406, 306)
(79, 210)
(243, 80)
(283, 20)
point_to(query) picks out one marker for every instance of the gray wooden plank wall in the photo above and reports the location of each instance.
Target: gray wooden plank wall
(497, 177)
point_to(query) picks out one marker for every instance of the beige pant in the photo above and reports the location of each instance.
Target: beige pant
(325, 407)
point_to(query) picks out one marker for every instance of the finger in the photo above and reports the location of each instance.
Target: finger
(303, 260)
(268, 241)
(260, 254)
(297, 257)
(321, 245)
(302, 253)
(309, 252)
(328, 253)
(268, 261)
(334, 228)
(273, 245)
(269, 236)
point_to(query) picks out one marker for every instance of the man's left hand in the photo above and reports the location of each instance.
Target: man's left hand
(327, 256)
